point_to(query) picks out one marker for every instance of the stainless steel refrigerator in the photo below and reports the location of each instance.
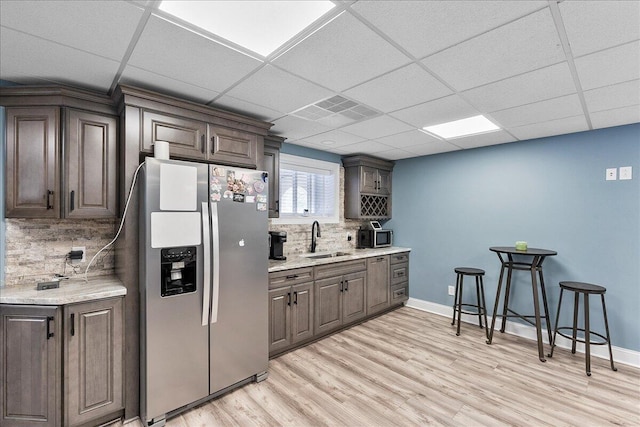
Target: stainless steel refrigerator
(203, 282)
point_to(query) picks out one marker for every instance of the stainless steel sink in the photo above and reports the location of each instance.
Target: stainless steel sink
(327, 255)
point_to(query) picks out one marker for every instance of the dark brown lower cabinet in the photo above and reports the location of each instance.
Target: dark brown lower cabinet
(340, 300)
(290, 315)
(39, 343)
(30, 366)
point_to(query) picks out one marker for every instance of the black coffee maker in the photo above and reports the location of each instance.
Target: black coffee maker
(276, 243)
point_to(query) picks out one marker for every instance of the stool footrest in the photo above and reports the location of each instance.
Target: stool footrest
(582, 340)
(479, 310)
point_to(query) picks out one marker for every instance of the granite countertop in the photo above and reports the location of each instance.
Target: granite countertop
(70, 291)
(303, 260)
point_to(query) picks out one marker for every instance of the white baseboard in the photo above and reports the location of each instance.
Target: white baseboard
(620, 355)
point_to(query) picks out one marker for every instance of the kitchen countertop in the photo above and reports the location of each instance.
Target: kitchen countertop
(302, 260)
(70, 291)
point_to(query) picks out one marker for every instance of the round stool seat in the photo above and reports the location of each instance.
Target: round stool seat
(587, 288)
(469, 271)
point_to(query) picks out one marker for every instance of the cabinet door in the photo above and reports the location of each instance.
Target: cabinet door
(368, 179)
(30, 366)
(93, 349)
(234, 147)
(33, 163)
(384, 181)
(328, 304)
(354, 297)
(279, 318)
(186, 137)
(302, 312)
(377, 284)
(272, 166)
(90, 155)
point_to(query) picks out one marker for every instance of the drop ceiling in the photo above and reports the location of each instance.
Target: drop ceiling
(535, 68)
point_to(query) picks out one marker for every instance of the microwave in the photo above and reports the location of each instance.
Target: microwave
(374, 237)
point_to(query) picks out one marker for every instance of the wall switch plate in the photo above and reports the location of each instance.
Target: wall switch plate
(611, 174)
(452, 290)
(625, 172)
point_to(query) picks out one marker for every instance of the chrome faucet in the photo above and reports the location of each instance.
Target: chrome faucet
(314, 235)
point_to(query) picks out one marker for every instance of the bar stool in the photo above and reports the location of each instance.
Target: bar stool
(586, 289)
(480, 307)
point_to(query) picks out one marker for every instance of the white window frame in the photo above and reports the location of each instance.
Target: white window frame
(307, 163)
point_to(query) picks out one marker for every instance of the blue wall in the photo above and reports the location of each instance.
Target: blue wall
(551, 192)
(297, 150)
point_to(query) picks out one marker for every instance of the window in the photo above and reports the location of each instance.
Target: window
(309, 190)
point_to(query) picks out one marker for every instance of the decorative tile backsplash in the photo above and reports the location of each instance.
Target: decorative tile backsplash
(36, 249)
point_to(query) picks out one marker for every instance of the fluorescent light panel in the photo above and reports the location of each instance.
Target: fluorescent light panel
(464, 127)
(260, 26)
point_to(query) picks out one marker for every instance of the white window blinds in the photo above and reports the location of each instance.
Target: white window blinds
(308, 188)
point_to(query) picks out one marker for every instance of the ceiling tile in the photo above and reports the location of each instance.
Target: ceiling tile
(434, 112)
(342, 54)
(230, 103)
(295, 128)
(428, 149)
(609, 66)
(521, 46)
(103, 28)
(545, 83)
(596, 25)
(407, 139)
(364, 147)
(278, 90)
(553, 127)
(377, 127)
(394, 154)
(550, 109)
(334, 138)
(614, 96)
(401, 88)
(147, 80)
(483, 140)
(78, 68)
(616, 117)
(425, 27)
(169, 50)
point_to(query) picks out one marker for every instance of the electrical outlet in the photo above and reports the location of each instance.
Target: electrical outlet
(84, 254)
(452, 290)
(611, 174)
(625, 172)
(348, 237)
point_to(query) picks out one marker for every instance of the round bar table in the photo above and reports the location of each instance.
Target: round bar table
(528, 260)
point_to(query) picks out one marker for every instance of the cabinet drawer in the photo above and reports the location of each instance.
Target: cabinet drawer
(399, 273)
(401, 257)
(290, 277)
(340, 268)
(399, 293)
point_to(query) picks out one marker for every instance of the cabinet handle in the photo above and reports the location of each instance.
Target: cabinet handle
(213, 145)
(72, 201)
(346, 286)
(202, 143)
(289, 298)
(295, 297)
(342, 286)
(73, 324)
(380, 259)
(292, 276)
(49, 194)
(400, 273)
(49, 333)
(277, 205)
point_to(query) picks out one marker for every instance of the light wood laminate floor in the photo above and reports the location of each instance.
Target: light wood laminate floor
(408, 368)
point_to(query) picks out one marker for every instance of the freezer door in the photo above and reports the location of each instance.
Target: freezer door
(174, 342)
(239, 332)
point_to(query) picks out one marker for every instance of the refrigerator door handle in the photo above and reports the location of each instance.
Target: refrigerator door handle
(215, 261)
(206, 255)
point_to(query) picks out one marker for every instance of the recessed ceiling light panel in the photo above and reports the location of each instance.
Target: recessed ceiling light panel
(260, 26)
(464, 127)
